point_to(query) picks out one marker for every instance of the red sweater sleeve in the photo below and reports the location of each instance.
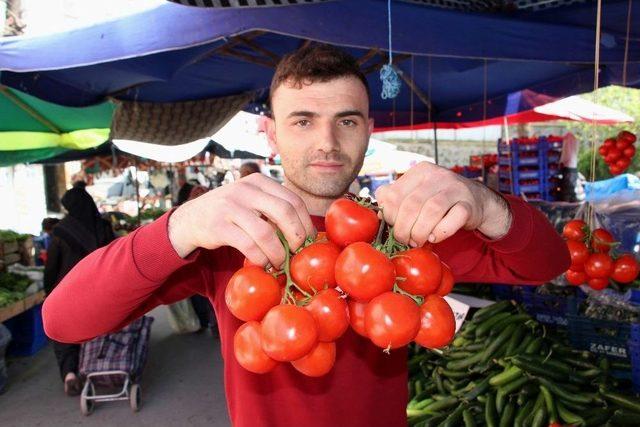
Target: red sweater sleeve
(118, 283)
(531, 252)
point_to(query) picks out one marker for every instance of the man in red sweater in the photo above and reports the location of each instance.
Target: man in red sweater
(320, 128)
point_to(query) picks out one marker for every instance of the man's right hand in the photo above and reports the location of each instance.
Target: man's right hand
(234, 215)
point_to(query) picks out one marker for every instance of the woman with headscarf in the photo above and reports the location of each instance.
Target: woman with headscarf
(81, 232)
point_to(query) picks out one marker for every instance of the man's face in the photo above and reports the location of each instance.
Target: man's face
(321, 131)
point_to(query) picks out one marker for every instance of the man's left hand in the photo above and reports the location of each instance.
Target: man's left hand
(430, 203)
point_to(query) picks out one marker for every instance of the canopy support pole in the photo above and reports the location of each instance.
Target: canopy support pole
(414, 87)
(27, 109)
(435, 143)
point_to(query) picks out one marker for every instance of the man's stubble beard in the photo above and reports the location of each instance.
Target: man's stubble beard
(331, 188)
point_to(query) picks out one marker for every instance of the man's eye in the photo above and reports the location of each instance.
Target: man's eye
(303, 123)
(348, 122)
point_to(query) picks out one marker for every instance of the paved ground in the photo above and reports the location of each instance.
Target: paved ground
(182, 386)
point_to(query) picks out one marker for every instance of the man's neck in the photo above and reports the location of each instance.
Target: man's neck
(315, 205)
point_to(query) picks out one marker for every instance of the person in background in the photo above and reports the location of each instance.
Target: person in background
(248, 168)
(569, 165)
(77, 235)
(202, 305)
(44, 239)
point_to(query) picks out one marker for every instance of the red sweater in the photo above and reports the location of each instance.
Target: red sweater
(118, 283)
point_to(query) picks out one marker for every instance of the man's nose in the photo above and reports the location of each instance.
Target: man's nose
(327, 138)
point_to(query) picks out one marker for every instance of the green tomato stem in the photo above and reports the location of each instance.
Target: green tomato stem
(288, 295)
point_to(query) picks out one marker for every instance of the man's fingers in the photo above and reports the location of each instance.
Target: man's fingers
(274, 188)
(408, 215)
(278, 211)
(388, 201)
(432, 211)
(454, 220)
(239, 239)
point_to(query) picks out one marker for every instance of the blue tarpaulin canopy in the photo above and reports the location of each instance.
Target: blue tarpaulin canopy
(178, 53)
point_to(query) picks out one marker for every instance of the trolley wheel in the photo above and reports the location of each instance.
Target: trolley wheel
(87, 405)
(135, 397)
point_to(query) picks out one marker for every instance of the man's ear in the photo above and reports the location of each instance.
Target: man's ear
(271, 135)
(371, 126)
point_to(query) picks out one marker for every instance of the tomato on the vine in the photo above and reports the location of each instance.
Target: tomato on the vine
(348, 222)
(251, 292)
(288, 332)
(575, 230)
(392, 320)
(622, 143)
(437, 323)
(356, 316)
(598, 284)
(364, 272)
(625, 134)
(625, 269)
(598, 266)
(602, 241)
(419, 271)
(614, 169)
(313, 268)
(576, 278)
(447, 283)
(579, 254)
(331, 313)
(609, 142)
(603, 150)
(247, 347)
(629, 152)
(318, 361)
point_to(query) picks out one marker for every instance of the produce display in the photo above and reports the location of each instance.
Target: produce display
(350, 276)
(617, 152)
(593, 259)
(504, 369)
(13, 288)
(12, 236)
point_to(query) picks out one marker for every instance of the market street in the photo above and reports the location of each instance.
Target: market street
(181, 385)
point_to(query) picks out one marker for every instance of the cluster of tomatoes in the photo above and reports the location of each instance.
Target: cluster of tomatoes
(386, 292)
(592, 259)
(618, 152)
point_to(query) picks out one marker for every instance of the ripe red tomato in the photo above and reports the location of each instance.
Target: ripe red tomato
(602, 241)
(392, 320)
(356, 316)
(629, 152)
(621, 144)
(614, 170)
(319, 361)
(348, 222)
(603, 150)
(251, 292)
(364, 272)
(627, 135)
(575, 230)
(437, 323)
(598, 284)
(247, 348)
(576, 278)
(623, 163)
(613, 155)
(610, 142)
(598, 266)
(313, 268)
(447, 283)
(288, 333)
(331, 314)
(419, 271)
(579, 254)
(625, 269)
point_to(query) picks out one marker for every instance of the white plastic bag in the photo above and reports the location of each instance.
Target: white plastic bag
(182, 317)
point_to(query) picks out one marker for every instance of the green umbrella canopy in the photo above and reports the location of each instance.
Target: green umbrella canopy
(40, 129)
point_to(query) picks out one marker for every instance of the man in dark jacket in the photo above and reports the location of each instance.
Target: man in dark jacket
(81, 232)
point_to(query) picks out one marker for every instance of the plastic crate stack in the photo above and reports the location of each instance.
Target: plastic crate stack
(634, 350)
(529, 166)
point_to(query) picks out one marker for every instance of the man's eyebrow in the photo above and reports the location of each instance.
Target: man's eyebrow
(348, 113)
(302, 114)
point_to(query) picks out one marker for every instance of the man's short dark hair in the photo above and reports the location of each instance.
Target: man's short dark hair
(316, 63)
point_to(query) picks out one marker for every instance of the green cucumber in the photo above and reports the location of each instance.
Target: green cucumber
(499, 341)
(523, 413)
(558, 391)
(568, 416)
(513, 386)
(467, 417)
(550, 404)
(483, 329)
(506, 376)
(622, 400)
(490, 415)
(490, 310)
(506, 419)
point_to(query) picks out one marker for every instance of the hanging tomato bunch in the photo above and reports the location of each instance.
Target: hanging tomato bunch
(618, 152)
(385, 291)
(592, 258)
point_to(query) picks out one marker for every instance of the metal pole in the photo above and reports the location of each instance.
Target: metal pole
(137, 185)
(435, 142)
